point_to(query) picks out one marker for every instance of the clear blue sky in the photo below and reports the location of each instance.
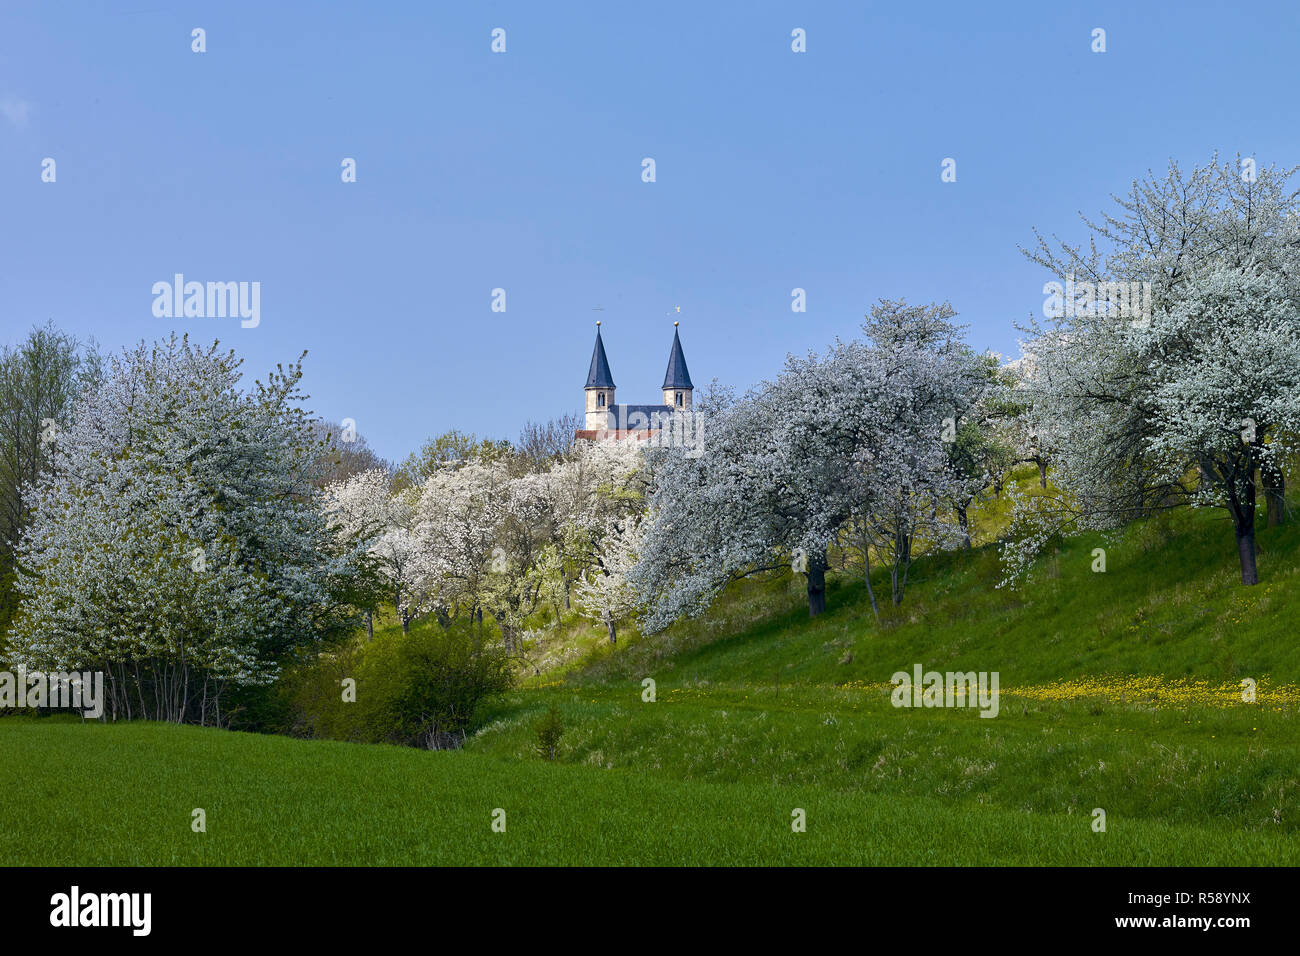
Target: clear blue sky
(523, 171)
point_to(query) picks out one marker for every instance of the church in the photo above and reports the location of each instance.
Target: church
(608, 420)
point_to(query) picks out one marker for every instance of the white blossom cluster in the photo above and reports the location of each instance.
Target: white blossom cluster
(177, 540)
(856, 435)
(489, 537)
(1198, 403)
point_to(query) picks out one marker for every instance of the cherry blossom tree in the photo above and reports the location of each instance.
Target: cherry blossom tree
(179, 544)
(362, 510)
(856, 434)
(593, 487)
(919, 466)
(382, 524)
(605, 593)
(1186, 405)
(456, 516)
(523, 556)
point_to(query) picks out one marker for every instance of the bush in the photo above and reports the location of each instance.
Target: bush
(549, 730)
(419, 689)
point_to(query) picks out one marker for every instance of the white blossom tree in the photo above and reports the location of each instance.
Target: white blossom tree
(856, 434)
(605, 592)
(179, 545)
(595, 485)
(456, 515)
(1186, 405)
(1224, 390)
(931, 385)
(364, 511)
(523, 557)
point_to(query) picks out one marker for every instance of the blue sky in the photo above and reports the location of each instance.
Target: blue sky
(522, 171)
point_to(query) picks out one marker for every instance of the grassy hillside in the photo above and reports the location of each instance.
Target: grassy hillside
(1119, 691)
(1169, 604)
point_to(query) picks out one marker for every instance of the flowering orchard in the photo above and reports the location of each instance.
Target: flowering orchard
(185, 535)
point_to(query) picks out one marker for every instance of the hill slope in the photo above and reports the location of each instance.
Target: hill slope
(1120, 692)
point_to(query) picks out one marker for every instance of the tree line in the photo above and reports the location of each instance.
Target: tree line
(189, 536)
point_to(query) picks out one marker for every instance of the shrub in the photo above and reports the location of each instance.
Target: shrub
(549, 730)
(419, 689)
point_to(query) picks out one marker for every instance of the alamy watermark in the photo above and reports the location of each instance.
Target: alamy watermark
(663, 429)
(213, 300)
(75, 908)
(1119, 300)
(60, 690)
(924, 688)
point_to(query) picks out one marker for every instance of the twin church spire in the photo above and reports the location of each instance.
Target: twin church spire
(677, 376)
(599, 376)
(603, 415)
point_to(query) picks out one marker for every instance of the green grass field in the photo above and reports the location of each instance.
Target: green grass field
(123, 795)
(1119, 691)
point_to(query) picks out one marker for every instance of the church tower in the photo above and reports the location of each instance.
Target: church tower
(599, 388)
(677, 380)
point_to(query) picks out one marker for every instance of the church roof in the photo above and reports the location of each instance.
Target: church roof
(599, 376)
(627, 411)
(677, 375)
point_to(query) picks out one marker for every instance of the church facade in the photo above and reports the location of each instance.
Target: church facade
(606, 419)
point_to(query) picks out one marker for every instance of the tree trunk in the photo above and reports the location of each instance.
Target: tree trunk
(816, 574)
(1274, 493)
(370, 626)
(1246, 552)
(964, 521)
(507, 633)
(866, 576)
(1042, 472)
(1243, 514)
(902, 561)
(613, 634)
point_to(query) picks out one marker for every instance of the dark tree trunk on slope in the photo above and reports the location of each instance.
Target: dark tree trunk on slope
(816, 574)
(609, 627)
(1274, 493)
(370, 626)
(902, 561)
(964, 521)
(1042, 472)
(1246, 553)
(1243, 516)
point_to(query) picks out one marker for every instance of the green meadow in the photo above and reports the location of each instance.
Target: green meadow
(1120, 692)
(124, 795)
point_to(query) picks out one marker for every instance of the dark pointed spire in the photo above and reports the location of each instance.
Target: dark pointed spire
(677, 375)
(599, 376)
